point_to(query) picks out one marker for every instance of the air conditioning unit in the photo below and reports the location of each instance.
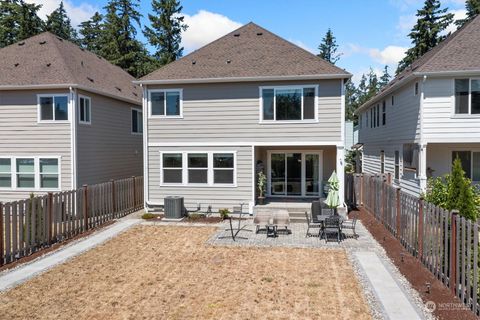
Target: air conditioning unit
(173, 207)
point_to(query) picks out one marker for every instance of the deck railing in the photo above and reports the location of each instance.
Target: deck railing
(444, 241)
(31, 225)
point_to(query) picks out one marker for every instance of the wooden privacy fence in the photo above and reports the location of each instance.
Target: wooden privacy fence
(30, 225)
(446, 243)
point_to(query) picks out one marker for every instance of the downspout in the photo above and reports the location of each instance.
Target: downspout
(145, 145)
(73, 136)
(423, 146)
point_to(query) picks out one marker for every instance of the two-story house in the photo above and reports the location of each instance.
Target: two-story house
(428, 115)
(67, 118)
(247, 102)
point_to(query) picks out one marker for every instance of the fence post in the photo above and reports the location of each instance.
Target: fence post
(85, 206)
(134, 193)
(453, 253)
(1, 234)
(114, 200)
(389, 178)
(361, 189)
(399, 220)
(420, 228)
(49, 216)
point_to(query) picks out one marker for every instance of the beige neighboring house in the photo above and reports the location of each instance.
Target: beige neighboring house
(246, 102)
(67, 118)
(427, 115)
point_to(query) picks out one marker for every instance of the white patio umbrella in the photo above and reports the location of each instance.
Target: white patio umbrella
(333, 199)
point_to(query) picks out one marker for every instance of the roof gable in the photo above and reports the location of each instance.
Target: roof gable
(249, 51)
(46, 59)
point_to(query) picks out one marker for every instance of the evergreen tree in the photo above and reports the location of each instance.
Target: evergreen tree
(473, 9)
(8, 22)
(92, 33)
(460, 193)
(425, 35)
(351, 103)
(385, 78)
(29, 23)
(119, 45)
(328, 48)
(373, 85)
(59, 24)
(165, 31)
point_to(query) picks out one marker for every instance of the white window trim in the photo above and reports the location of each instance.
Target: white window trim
(150, 115)
(275, 88)
(454, 99)
(89, 122)
(53, 95)
(184, 168)
(36, 165)
(131, 122)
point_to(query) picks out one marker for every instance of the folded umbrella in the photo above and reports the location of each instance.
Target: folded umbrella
(333, 199)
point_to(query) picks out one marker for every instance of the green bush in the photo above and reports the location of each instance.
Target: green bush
(224, 213)
(148, 216)
(455, 191)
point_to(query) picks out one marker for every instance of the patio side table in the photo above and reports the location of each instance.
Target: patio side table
(271, 230)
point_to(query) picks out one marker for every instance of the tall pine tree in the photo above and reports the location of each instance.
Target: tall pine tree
(119, 45)
(425, 35)
(59, 24)
(92, 33)
(8, 22)
(165, 31)
(473, 9)
(385, 78)
(328, 48)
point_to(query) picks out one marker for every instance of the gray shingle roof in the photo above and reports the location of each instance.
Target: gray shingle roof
(249, 51)
(458, 52)
(45, 59)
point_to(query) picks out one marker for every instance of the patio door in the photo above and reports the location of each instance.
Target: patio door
(294, 174)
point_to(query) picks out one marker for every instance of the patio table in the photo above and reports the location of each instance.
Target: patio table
(321, 219)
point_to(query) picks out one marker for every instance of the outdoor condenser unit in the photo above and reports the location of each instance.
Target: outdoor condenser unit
(173, 207)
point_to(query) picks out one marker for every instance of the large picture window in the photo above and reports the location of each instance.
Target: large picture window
(165, 103)
(289, 103)
(198, 168)
(53, 108)
(31, 173)
(467, 96)
(470, 163)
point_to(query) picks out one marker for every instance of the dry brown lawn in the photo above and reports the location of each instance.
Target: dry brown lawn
(152, 272)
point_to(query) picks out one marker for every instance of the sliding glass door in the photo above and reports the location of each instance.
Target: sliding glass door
(294, 174)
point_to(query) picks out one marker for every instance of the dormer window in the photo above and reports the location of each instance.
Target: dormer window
(284, 104)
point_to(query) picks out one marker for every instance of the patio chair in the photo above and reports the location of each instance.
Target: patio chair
(281, 219)
(350, 224)
(332, 225)
(316, 210)
(261, 219)
(311, 225)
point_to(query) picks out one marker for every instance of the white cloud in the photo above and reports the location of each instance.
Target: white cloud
(204, 27)
(389, 55)
(76, 13)
(303, 45)
(458, 15)
(357, 74)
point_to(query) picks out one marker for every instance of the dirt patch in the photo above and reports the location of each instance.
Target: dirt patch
(447, 305)
(156, 272)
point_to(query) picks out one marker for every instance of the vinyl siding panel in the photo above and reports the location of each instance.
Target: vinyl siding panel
(217, 197)
(106, 149)
(440, 123)
(231, 112)
(21, 135)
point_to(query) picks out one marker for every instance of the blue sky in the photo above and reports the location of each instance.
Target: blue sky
(371, 33)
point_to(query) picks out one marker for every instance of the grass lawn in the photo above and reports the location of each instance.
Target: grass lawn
(153, 272)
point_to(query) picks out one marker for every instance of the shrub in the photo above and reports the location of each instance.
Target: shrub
(195, 216)
(261, 184)
(455, 191)
(148, 216)
(224, 213)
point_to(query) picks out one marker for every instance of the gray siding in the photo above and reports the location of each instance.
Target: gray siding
(224, 197)
(231, 112)
(106, 149)
(21, 135)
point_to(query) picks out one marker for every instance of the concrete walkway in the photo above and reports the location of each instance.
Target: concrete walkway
(393, 299)
(14, 277)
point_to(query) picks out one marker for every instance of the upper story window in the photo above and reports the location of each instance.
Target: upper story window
(416, 88)
(467, 96)
(84, 110)
(393, 100)
(288, 103)
(52, 108)
(165, 103)
(377, 124)
(137, 121)
(384, 113)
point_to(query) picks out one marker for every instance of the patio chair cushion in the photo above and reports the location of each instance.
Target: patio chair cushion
(281, 218)
(262, 218)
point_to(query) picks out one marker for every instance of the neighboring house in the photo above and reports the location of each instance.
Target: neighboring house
(246, 102)
(351, 135)
(427, 115)
(65, 118)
